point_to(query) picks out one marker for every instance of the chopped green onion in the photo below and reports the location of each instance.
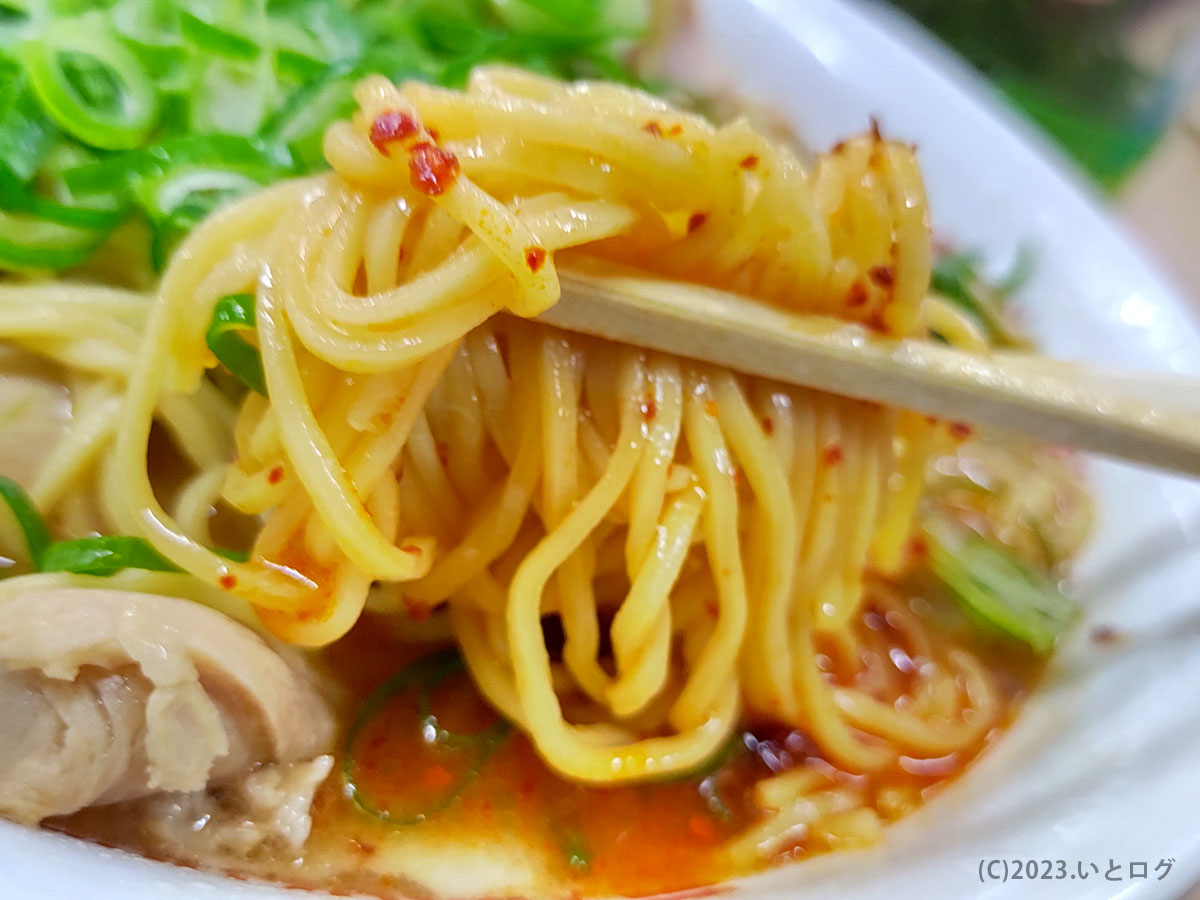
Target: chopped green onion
(159, 60)
(572, 17)
(91, 84)
(193, 187)
(300, 121)
(150, 28)
(175, 85)
(167, 234)
(69, 154)
(579, 855)
(431, 729)
(232, 318)
(86, 556)
(16, 198)
(997, 589)
(451, 27)
(297, 65)
(231, 96)
(13, 15)
(957, 278)
(30, 521)
(216, 40)
(26, 134)
(728, 749)
(424, 676)
(30, 244)
(237, 556)
(103, 556)
(265, 158)
(328, 31)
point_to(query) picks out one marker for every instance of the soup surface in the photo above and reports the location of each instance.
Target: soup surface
(436, 821)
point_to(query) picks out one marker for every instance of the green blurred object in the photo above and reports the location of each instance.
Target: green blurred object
(1064, 64)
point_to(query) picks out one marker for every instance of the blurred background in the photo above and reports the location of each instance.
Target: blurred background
(1117, 84)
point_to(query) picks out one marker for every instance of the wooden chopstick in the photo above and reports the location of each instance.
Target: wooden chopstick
(1053, 401)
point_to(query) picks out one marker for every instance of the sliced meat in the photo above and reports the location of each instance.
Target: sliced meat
(266, 813)
(108, 696)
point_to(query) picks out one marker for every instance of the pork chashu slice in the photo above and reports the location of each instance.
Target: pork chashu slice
(111, 695)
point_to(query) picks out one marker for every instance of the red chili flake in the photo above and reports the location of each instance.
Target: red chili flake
(275, 475)
(702, 829)
(696, 221)
(227, 581)
(749, 162)
(649, 408)
(884, 276)
(839, 147)
(917, 548)
(411, 549)
(932, 420)
(392, 126)
(653, 128)
(435, 134)
(433, 169)
(675, 130)
(875, 321)
(535, 258)
(857, 295)
(438, 777)
(832, 455)
(768, 425)
(417, 612)
(710, 409)
(960, 431)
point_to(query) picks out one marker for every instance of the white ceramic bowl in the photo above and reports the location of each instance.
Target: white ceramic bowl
(1103, 765)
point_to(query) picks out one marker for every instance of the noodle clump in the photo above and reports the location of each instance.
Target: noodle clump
(707, 541)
